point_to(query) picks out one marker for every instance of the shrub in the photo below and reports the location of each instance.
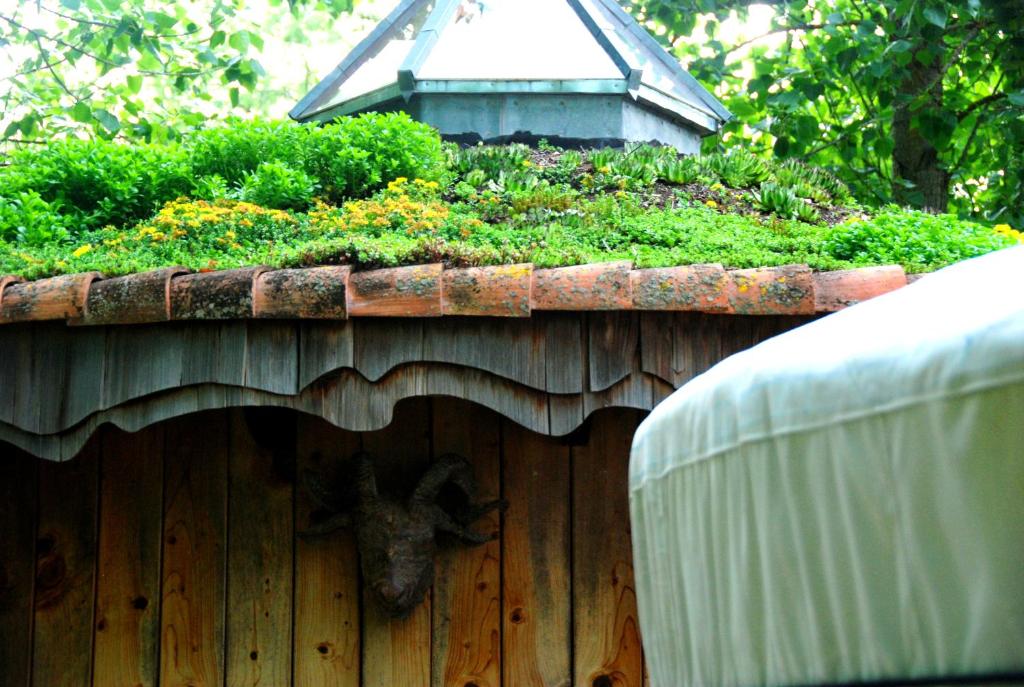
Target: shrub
(236, 148)
(276, 185)
(917, 240)
(28, 219)
(210, 187)
(95, 183)
(349, 158)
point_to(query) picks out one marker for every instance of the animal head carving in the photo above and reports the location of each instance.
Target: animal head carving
(397, 538)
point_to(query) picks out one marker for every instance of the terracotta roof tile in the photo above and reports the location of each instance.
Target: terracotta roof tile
(697, 288)
(223, 295)
(6, 280)
(601, 286)
(134, 299)
(396, 292)
(317, 293)
(335, 292)
(787, 290)
(503, 291)
(56, 298)
(834, 291)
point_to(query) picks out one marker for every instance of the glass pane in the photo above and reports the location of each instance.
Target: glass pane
(517, 40)
(381, 65)
(656, 75)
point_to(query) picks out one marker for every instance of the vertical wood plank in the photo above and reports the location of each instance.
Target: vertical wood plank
(607, 649)
(195, 513)
(327, 591)
(66, 570)
(397, 652)
(272, 356)
(467, 590)
(323, 347)
(260, 565)
(128, 584)
(559, 341)
(535, 540)
(18, 494)
(612, 342)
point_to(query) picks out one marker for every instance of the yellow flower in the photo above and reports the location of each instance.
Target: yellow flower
(711, 204)
(82, 250)
(527, 163)
(604, 170)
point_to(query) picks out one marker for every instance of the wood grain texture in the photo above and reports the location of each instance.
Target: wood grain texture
(382, 345)
(467, 590)
(397, 652)
(260, 510)
(195, 514)
(327, 589)
(607, 649)
(613, 339)
(128, 583)
(535, 551)
(272, 357)
(507, 348)
(18, 494)
(561, 334)
(323, 347)
(142, 360)
(66, 571)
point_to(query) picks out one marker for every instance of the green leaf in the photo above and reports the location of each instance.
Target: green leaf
(71, 4)
(217, 39)
(239, 41)
(1016, 98)
(81, 113)
(233, 93)
(134, 83)
(936, 16)
(162, 21)
(107, 120)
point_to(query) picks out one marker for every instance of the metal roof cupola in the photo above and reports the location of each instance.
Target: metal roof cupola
(571, 71)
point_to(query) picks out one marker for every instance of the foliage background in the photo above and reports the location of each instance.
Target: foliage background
(920, 102)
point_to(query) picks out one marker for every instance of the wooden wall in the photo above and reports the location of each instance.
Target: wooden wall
(169, 557)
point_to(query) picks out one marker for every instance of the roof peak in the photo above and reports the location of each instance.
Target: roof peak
(521, 47)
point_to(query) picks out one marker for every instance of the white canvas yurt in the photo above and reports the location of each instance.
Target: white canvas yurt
(844, 504)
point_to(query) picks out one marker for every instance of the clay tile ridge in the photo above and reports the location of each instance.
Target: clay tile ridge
(338, 292)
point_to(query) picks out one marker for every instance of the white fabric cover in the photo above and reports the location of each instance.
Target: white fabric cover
(844, 502)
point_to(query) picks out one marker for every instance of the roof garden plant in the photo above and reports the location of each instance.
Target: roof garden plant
(382, 190)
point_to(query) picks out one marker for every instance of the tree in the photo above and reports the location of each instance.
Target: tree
(128, 68)
(919, 102)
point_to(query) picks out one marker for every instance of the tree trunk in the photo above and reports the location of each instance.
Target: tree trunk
(914, 158)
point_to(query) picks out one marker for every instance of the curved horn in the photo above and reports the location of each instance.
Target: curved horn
(448, 468)
(366, 480)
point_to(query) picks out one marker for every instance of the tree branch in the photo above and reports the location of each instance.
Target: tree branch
(53, 72)
(788, 29)
(978, 104)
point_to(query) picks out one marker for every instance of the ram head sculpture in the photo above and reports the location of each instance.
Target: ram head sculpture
(397, 537)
